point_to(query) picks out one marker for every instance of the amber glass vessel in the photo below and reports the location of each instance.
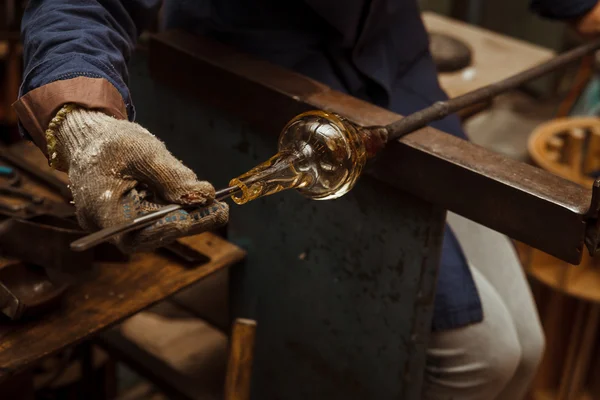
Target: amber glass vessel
(320, 154)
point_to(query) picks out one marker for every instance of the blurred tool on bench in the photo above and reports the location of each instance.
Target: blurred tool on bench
(45, 177)
(21, 203)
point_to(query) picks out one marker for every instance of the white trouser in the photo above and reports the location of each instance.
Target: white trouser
(497, 358)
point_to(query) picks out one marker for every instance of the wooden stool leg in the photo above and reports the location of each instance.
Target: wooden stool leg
(565, 389)
(583, 357)
(239, 368)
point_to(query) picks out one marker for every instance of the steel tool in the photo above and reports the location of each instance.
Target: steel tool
(103, 235)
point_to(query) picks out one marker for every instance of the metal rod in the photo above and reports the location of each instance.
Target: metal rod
(93, 239)
(442, 109)
(223, 194)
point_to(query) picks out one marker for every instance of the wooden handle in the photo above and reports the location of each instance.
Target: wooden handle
(239, 368)
(574, 150)
(591, 162)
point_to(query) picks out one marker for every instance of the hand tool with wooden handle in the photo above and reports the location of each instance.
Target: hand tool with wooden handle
(241, 353)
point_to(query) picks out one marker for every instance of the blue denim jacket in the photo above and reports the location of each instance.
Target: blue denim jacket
(376, 50)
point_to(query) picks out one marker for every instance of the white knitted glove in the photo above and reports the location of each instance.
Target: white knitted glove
(119, 171)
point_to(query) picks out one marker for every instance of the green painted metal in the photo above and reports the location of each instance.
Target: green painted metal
(342, 290)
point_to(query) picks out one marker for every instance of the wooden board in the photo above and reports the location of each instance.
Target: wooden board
(117, 291)
(495, 56)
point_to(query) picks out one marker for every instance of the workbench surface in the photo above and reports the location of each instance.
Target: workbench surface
(117, 291)
(495, 56)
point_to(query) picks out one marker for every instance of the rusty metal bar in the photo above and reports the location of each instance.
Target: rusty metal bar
(526, 203)
(519, 200)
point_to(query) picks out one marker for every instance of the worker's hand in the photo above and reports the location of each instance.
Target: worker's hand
(589, 25)
(119, 171)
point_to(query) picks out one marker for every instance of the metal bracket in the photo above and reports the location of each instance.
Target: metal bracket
(592, 221)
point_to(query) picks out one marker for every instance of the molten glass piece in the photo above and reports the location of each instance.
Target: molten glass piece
(320, 154)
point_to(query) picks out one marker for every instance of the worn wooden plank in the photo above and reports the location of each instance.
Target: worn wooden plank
(117, 291)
